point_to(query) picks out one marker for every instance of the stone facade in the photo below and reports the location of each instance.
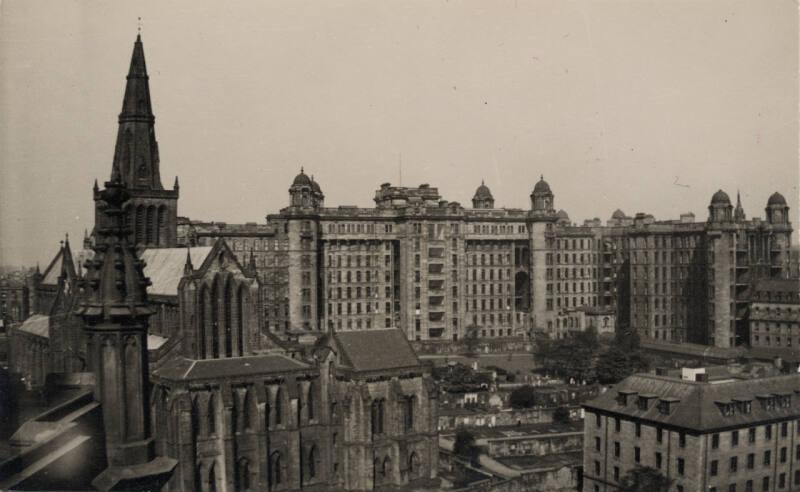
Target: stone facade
(436, 269)
(775, 315)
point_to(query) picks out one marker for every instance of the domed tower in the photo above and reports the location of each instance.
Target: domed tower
(562, 217)
(540, 230)
(777, 210)
(316, 192)
(483, 197)
(542, 198)
(780, 239)
(720, 210)
(301, 192)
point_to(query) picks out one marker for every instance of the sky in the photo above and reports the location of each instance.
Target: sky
(646, 106)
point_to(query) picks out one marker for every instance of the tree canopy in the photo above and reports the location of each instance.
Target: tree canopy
(644, 479)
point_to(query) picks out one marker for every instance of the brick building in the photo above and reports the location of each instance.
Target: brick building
(725, 435)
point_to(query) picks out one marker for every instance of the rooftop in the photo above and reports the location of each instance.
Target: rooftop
(376, 349)
(188, 369)
(702, 406)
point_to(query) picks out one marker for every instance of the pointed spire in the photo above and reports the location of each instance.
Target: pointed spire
(177, 185)
(96, 188)
(116, 285)
(87, 241)
(38, 270)
(482, 183)
(136, 153)
(738, 213)
(188, 268)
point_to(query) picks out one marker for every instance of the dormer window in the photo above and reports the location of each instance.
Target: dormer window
(767, 401)
(643, 402)
(743, 405)
(784, 400)
(667, 405)
(727, 408)
(623, 397)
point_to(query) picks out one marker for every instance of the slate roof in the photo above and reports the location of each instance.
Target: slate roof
(697, 405)
(37, 324)
(376, 349)
(164, 267)
(188, 369)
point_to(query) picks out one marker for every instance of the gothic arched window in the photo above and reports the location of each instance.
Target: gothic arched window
(227, 312)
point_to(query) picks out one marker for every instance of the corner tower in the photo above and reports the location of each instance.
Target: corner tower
(151, 211)
(541, 219)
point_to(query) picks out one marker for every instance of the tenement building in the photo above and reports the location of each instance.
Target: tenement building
(728, 435)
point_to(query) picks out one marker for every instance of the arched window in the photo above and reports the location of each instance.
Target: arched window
(162, 223)
(413, 465)
(279, 406)
(150, 224)
(212, 480)
(140, 224)
(243, 475)
(310, 402)
(408, 413)
(377, 417)
(202, 303)
(240, 319)
(227, 312)
(386, 467)
(275, 464)
(313, 455)
(247, 421)
(214, 300)
(211, 417)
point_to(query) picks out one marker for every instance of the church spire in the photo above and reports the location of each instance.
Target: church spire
(738, 213)
(136, 152)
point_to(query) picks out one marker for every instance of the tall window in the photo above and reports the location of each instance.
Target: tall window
(408, 413)
(240, 320)
(201, 320)
(227, 311)
(211, 417)
(312, 462)
(275, 469)
(279, 406)
(310, 402)
(377, 417)
(214, 300)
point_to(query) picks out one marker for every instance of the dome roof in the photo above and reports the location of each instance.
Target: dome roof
(721, 198)
(483, 192)
(301, 179)
(542, 186)
(618, 214)
(562, 214)
(315, 185)
(776, 199)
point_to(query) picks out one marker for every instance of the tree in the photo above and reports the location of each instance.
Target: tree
(465, 445)
(561, 415)
(644, 479)
(622, 359)
(471, 339)
(523, 397)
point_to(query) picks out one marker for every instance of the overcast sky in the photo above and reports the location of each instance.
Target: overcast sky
(647, 106)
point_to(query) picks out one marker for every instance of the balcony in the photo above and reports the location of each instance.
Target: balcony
(435, 268)
(435, 284)
(436, 316)
(435, 332)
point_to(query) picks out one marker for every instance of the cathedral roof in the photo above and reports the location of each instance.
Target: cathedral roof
(542, 186)
(213, 369)
(720, 198)
(376, 349)
(164, 267)
(776, 199)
